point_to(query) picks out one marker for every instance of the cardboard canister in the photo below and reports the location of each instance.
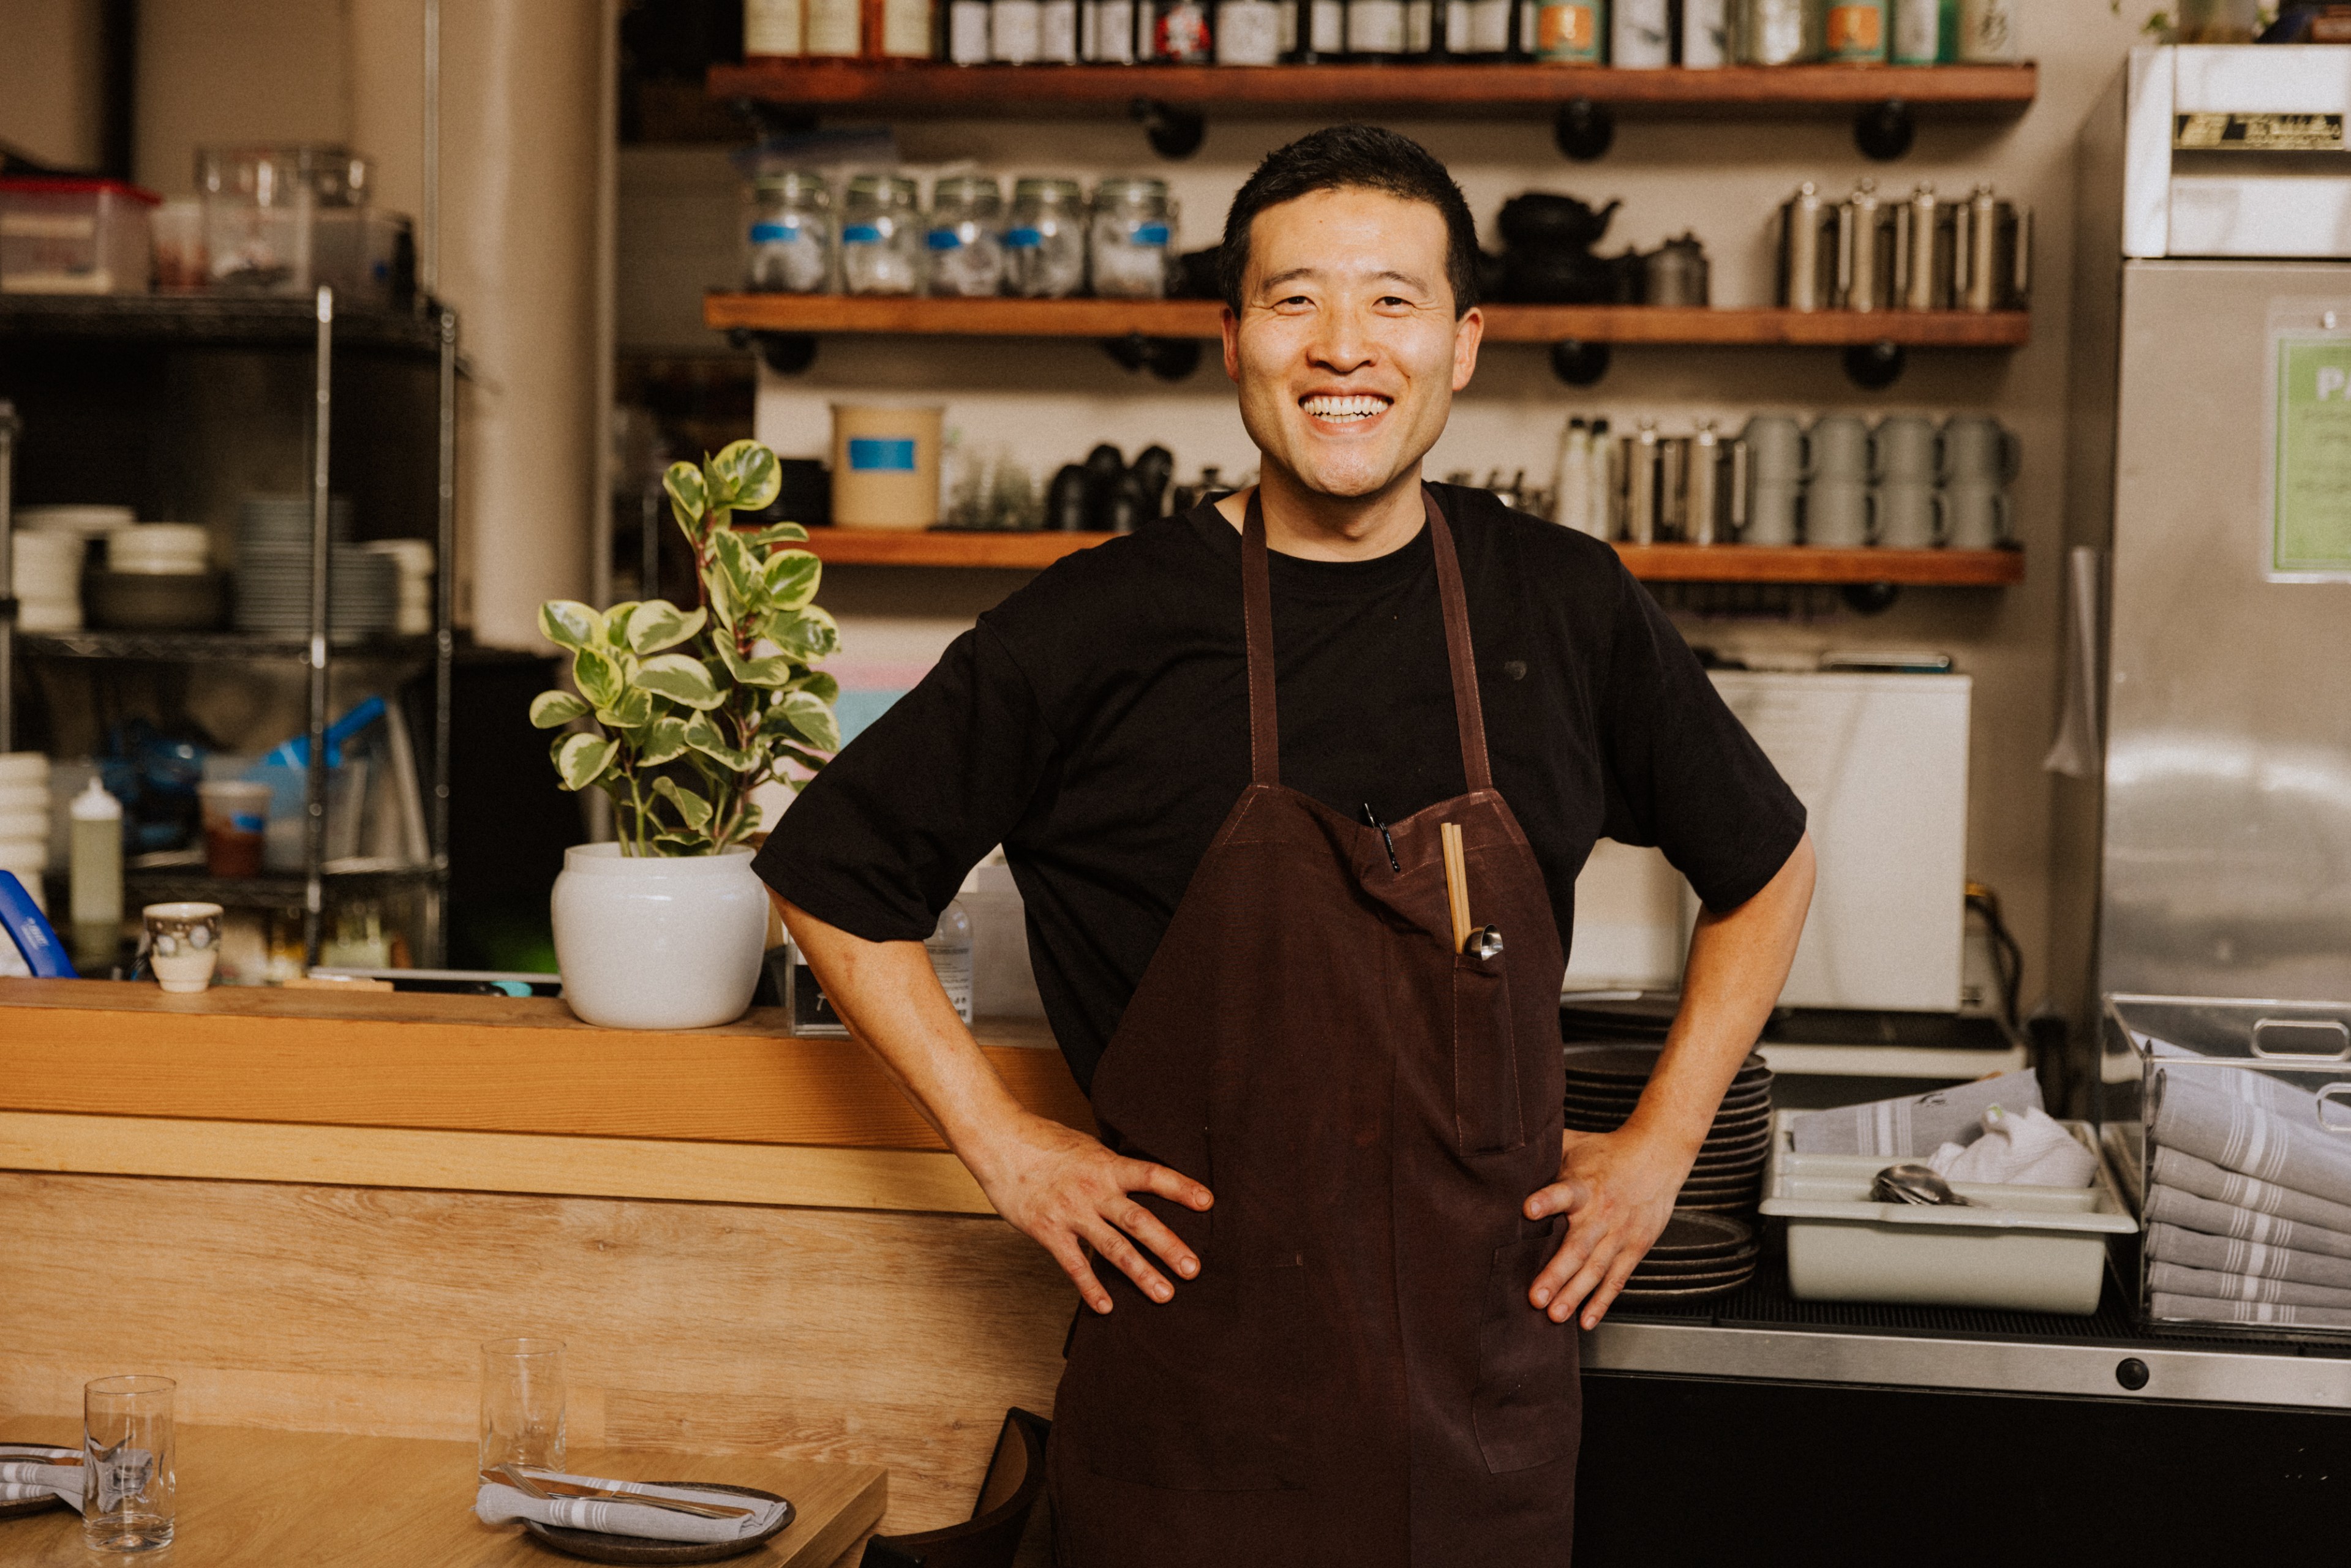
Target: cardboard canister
(885, 466)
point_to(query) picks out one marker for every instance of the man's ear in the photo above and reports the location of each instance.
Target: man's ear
(1468, 333)
(1232, 331)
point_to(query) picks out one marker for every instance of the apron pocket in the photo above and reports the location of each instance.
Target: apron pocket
(1529, 1407)
(1486, 1117)
(1201, 1394)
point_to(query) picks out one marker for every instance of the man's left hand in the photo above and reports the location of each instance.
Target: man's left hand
(1617, 1191)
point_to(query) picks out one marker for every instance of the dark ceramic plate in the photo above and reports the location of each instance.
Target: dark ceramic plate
(1744, 1203)
(1694, 1233)
(1681, 1291)
(1696, 1270)
(595, 1546)
(30, 1505)
(1615, 1063)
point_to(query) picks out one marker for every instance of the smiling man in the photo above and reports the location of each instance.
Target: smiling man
(1347, 1240)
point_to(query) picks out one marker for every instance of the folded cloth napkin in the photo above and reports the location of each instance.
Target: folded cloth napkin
(2233, 1119)
(24, 1474)
(2028, 1146)
(1908, 1127)
(2170, 1244)
(2178, 1279)
(2174, 1168)
(2189, 1212)
(499, 1504)
(2211, 1310)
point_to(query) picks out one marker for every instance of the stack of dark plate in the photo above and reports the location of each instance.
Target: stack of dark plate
(1604, 1082)
(1698, 1256)
(273, 572)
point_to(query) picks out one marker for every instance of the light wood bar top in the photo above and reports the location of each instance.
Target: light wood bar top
(249, 1497)
(497, 1064)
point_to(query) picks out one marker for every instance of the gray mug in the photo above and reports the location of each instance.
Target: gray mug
(1774, 506)
(1841, 448)
(1838, 514)
(1777, 451)
(1909, 514)
(1979, 450)
(1975, 516)
(1909, 448)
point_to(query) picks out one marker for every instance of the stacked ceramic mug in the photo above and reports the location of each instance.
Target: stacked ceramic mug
(48, 570)
(24, 817)
(1838, 501)
(1776, 465)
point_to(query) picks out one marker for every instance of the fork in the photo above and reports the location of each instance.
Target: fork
(513, 1476)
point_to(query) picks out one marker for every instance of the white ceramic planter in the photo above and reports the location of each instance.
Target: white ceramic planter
(646, 941)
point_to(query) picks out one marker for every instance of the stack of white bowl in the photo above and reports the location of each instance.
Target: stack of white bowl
(48, 580)
(412, 559)
(25, 819)
(159, 550)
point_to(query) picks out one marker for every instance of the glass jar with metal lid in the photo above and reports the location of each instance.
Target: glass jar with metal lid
(880, 236)
(789, 240)
(1045, 248)
(1133, 235)
(966, 239)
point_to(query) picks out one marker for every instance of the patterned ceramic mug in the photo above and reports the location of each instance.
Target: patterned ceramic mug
(182, 944)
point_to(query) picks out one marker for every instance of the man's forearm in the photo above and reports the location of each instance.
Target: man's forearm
(1738, 962)
(891, 999)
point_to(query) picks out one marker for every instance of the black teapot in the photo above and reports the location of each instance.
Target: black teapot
(1544, 220)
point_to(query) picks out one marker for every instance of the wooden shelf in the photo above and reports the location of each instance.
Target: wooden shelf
(1654, 324)
(928, 90)
(1653, 563)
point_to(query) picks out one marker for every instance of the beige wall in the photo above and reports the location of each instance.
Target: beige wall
(214, 72)
(49, 71)
(1048, 401)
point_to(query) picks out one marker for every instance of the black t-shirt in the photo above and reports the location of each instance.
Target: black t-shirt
(1096, 724)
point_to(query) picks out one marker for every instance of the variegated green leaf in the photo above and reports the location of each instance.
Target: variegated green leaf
(616, 624)
(806, 759)
(553, 710)
(664, 741)
(692, 809)
(769, 672)
(811, 720)
(632, 710)
(567, 623)
(812, 633)
(819, 685)
(681, 844)
(581, 759)
(681, 678)
(688, 500)
(703, 736)
(745, 475)
(659, 624)
(778, 534)
(598, 676)
(791, 577)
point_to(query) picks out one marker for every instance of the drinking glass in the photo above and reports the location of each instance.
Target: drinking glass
(129, 1496)
(522, 1403)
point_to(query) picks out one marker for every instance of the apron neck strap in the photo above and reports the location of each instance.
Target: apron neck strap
(1256, 614)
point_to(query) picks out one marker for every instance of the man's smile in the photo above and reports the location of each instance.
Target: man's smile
(1344, 409)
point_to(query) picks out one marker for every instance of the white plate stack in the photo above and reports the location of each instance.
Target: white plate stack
(412, 559)
(48, 579)
(273, 572)
(24, 819)
(159, 550)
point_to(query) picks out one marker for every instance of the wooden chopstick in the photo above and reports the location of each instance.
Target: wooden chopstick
(1457, 882)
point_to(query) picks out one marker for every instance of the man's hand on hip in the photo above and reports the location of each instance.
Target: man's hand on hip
(1067, 1192)
(1617, 1191)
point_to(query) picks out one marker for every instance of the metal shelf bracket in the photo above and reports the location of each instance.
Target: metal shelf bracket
(1579, 362)
(1173, 133)
(1884, 131)
(1584, 129)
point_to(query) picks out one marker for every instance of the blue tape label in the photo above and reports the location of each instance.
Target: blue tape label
(771, 233)
(1023, 239)
(881, 455)
(1151, 234)
(943, 239)
(861, 234)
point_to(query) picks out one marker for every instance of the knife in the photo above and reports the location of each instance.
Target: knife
(547, 1490)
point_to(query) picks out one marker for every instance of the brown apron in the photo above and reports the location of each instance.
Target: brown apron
(1357, 1375)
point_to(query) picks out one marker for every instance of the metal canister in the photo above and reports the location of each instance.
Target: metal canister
(1773, 32)
(1678, 272)
(1702, 506)
(1992, 254)
(1923, 229)
(1863, 255)
(1802, 217)
(1673, 486)
(1641, 485)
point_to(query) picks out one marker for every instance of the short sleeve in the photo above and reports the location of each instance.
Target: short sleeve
(1683, 773)
(878, 841)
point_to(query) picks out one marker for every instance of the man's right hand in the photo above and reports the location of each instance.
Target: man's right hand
(1066, 1191)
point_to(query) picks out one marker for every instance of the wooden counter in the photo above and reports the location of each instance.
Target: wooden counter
(749, 1242)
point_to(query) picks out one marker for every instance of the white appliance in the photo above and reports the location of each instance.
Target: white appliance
(1880, 762)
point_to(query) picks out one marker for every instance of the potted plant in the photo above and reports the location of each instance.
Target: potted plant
(678, 716)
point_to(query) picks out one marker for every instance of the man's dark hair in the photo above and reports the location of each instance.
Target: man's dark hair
(1361, 158)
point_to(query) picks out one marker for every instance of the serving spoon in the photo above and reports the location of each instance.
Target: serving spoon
(1916, 1184)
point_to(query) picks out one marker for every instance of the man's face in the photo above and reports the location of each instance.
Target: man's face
(1346, 349)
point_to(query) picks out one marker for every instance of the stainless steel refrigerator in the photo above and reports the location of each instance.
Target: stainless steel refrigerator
(2204, 748)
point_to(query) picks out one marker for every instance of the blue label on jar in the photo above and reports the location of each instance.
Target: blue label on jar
(1023, 239)
(1150, 234)
(880, 455)
(772, 233)
(943, 239)
(861, 234)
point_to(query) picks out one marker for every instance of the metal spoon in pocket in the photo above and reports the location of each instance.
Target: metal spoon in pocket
(1916, 1184)
(1485, 944)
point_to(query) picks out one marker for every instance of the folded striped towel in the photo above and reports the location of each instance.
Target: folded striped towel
(2239, 1120)
(2185, 1210)
(2176, 1280)
(26, 1474)
(2170, 1244)
(501, 1504)
(2170, 1167)
(2212, 1310)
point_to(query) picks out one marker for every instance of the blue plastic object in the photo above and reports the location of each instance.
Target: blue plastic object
(295, 753)
(29, 929)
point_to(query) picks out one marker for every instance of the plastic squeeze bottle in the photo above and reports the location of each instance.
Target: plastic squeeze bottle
(97, 870)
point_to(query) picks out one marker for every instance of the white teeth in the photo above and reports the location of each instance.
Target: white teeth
(1343, 409)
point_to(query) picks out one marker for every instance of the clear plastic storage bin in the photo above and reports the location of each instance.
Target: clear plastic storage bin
(74, 236)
